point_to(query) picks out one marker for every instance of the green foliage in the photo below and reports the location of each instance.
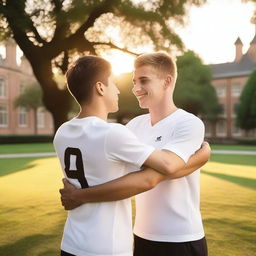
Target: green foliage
(52, 33)
(194, 91)
(246, 110)
(30, 98)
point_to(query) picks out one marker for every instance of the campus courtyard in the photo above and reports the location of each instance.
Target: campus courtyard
(32, 218)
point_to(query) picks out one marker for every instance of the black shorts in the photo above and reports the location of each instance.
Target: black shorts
(143, 247)
(62, 253)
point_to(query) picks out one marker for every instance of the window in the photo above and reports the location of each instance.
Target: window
(235, 130)
(3, 116)
(207, 125)
(2, 88)
(40, 118)
(236, 89)
(221, 90)
(224, 109)
(221, 128)
(23, 117)
(235, 107)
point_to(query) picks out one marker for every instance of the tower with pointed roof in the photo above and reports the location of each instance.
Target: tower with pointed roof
(252, 48)
(239, 49)
(229, 80)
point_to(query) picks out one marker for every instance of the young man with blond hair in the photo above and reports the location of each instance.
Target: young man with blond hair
(168, 215)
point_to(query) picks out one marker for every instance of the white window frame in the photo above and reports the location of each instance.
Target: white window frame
(40, 118)
(23, 115)
(221, 90)
(3, 88)
(235, 132)
(221, 133)
(5, 115)
(236, 89)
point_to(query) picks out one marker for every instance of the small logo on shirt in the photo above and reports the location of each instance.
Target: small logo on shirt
(158, 138)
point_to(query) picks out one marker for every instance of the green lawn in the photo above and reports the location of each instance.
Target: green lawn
(48, 147)
(234, 147)
(32, 219)
(26, 148)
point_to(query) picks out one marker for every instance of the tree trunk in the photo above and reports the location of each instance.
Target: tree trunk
(57, 101)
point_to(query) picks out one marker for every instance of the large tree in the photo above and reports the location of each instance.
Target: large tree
(51, 32)
(246, 110)
(194, 91)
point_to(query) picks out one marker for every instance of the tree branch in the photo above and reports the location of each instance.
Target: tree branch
(57, 4)
(37, 35)
(72, 41)
(64, 64)
(113, 46)
(96, 13)
(12, 13)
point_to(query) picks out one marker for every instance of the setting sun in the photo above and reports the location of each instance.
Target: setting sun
(121, 62)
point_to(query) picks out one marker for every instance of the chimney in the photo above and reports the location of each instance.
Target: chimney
(10, 59)
(239, 49)
(252, 49)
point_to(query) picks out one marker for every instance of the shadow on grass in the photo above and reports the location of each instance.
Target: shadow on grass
(234, 159)
(244, 230)
(24, 246)
(244, 182)
(50, 252)
(9, 166)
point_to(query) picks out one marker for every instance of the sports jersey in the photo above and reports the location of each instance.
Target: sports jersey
(92, 151)
(170, 212)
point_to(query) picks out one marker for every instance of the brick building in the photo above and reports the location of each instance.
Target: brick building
(13, 79)
(229, 80)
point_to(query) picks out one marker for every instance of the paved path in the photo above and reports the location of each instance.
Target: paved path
(24, 155)
(47, 154)
(233, 152)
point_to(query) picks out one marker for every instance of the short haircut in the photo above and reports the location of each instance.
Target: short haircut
(162, 62)
(84, 73)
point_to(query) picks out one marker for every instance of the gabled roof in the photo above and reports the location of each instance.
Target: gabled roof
(233, 69)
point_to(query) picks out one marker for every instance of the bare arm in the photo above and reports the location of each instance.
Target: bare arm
(196, 161)
(130, 184)
(118, 189)
(168, 163)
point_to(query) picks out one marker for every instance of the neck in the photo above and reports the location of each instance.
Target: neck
(160, 111)
(93, 109)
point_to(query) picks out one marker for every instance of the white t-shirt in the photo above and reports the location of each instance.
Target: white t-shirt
(170, 212)
(93, 151)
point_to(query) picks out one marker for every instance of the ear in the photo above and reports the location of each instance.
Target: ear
(168, 81)
(100, 88)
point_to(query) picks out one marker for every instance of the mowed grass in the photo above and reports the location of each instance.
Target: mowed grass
(48, 147)
(32, 219)
(26, 148)
(234, 147)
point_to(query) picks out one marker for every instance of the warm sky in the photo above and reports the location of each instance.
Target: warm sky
(211, 31)
(214, 27)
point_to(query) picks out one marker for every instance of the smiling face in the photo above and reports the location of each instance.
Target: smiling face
(149, 86)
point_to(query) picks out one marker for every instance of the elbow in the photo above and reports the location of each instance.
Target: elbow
(149, 184)
(171, 170)
(206, 158)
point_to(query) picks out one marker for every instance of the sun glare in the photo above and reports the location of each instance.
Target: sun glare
(121, 62)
